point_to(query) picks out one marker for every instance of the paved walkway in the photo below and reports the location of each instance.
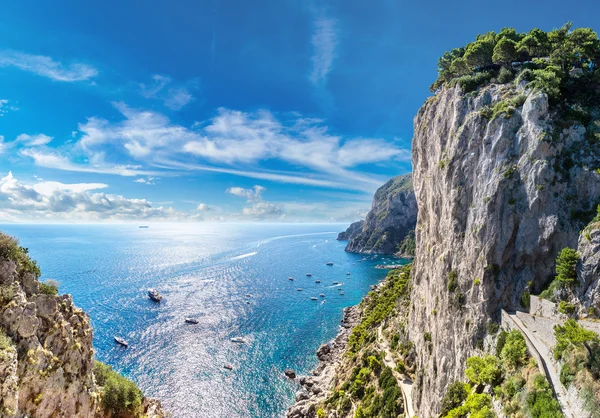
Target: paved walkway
(543, 353)
(404, 382)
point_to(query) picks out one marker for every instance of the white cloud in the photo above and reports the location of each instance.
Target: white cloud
(34, 140)
(47, 67)
(177, 98)
(5, 107)
(203, 207)
(148, 181)
(324, 42)
(174, 98)
(59, 201)
(2, 144)
(256, 207)
(231, 138)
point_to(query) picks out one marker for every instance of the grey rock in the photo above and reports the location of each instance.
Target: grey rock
(353, 230)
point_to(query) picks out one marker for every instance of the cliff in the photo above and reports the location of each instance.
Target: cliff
(392, 217)
(47, 366)
(499, 193)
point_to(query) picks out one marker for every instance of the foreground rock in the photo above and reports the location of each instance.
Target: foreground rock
(316, 387)
(46, 354)
(391, 218)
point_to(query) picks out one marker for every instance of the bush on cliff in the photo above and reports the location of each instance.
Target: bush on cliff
(11, 250)
(119, 394)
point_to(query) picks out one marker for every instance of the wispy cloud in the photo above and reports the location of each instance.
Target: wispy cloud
(150, 141)
(47, 67)
(5, 107)
(175, 98)
(34, 140)
(324, 42)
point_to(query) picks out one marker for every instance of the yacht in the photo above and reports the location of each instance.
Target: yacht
(299, 289)
(228, 366)
(322, 295)
(191, 321)
(238, 340)
(341, 293)
(314, 298)
(121, 341)
(154, 295)
(336, 283)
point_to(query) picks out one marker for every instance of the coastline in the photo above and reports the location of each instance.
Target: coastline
(315, 387)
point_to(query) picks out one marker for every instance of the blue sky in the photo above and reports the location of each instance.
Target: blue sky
(222, 109)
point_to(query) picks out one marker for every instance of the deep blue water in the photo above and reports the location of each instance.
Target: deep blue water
(205, 271)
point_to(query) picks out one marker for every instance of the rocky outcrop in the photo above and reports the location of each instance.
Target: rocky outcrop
(392, 216)
(502, 184)
(353, 230)
(588, 271)
(46, 353)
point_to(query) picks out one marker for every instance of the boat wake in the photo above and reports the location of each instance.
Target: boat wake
(239, 257)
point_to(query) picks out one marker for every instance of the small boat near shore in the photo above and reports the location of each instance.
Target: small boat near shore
(154, 295)
(314, 298)
(238, 340)
(191, 321)
(121, 341)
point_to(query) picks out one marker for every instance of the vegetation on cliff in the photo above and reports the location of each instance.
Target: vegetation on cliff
(511, 377)
(578, 350)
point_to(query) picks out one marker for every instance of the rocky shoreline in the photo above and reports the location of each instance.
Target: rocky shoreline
(315, 387)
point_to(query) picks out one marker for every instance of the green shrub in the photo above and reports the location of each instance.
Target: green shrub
(526, 299)
(5, 340)
(566, 308)
(472, 82)
(50, 287)
(119, 394)
(456, 394)
(485, 370)
(10, 249)
(514, 351)
(427, 336)
(7, 293)
(505, 75)
(500, 342)
(477, 281)
(452, 281)
(571, 334)
(566, 266)
(540, 400)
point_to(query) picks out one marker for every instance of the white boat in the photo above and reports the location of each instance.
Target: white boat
(239, 340)
(154, 295)
(314, 298)
(228, 366)
(322, 295)
(191, 321)
(348, 274)
(341, 293)
(121, 341)
(299, 289)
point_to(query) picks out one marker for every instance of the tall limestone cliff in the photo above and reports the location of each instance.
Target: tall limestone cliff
(47, 366)
(392, 217)
(503, 182)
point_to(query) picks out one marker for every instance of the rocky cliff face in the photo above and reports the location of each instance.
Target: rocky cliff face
(502, 184)
(392, 216)
(353, 230)
(587, 293)
(46, 354)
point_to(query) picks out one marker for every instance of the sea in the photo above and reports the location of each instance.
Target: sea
(233, 278)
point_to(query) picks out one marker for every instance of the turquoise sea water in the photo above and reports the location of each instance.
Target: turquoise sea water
(205, 271)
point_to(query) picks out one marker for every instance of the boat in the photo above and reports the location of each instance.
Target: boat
(341, 293)
(299, 289)
(248, 295)
(308, 274)
(291, 279)
(348, 274)
(154, 295)
(314, 298)
(191, 321)
(317, 281)
(121, 341)
(330, 263)
(144, 226)
(322, 295)
(228, 366)
(239, 340)
(336, 282)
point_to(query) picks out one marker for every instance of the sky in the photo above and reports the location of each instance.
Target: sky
(223, 110)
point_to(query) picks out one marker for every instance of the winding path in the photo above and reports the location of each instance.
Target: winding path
(403, 381)
(543, 354)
